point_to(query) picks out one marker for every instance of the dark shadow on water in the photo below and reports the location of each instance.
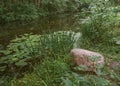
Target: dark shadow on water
(44, 24)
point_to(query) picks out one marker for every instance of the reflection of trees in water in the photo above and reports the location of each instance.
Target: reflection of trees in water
(60, 22)
(51, 23)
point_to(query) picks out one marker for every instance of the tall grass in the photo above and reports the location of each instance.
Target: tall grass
(99, 26)
(48, 73)
(57, 72)
(98, 30)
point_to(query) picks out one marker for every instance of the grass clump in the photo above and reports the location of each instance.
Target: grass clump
(46, 73)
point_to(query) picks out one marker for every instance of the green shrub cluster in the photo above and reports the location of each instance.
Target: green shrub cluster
(18, 12)
(22, 51)
(28, 11)
(75, 79)
(99, 26)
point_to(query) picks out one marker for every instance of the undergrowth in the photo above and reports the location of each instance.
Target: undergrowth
(52, 66)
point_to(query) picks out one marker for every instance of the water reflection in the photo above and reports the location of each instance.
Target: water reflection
(44, 24)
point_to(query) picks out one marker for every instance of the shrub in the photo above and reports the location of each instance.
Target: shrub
(75, 79)
(99, 26)
(31, 48)
(4, 81)
(18, 12)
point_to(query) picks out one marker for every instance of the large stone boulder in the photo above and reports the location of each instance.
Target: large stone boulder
(87, 58)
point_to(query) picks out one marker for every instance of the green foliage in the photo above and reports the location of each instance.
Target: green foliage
(52, 70)
(48, 73)
(56, 72)
(110, 52)
(99, 26)
(75, 79)
(24, 12)
(50, 50)
(117, 40)
(22, 51)
(18, 12)
(5, 81)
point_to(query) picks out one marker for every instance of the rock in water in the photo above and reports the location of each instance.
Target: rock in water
(87, 58)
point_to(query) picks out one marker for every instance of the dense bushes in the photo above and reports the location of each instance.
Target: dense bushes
(24, 11)
(99, 25)
(29, 11)
(18, 12)
(32, 48)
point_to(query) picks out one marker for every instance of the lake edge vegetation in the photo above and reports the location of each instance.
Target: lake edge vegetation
(98, 34)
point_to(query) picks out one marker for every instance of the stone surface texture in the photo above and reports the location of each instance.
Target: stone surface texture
(87, 58)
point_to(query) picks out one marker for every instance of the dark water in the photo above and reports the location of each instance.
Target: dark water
(44, 24)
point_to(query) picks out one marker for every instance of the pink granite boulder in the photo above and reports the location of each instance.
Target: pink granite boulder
(87, 58)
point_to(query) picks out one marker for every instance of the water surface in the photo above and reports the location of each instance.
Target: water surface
(45, 24)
